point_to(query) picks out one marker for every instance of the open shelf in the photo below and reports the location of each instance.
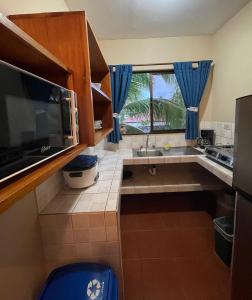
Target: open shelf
(98, 65)
(21, 50)
(30, 180)
(101, 134)
(99, 95)
(69, 37)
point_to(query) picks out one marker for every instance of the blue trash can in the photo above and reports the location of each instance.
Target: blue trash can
(81, 281)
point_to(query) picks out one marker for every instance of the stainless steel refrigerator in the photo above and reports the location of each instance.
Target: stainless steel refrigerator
(242, 183)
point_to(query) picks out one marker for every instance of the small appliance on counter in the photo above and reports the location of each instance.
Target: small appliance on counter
(81, 172)
(223, 155)
(206, 138)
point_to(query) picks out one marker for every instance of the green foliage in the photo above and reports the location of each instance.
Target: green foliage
(138, 82)
(170, 112)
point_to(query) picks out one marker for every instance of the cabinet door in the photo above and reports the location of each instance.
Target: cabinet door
(242, 257)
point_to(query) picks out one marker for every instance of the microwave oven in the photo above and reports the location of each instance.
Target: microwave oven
(38, 120)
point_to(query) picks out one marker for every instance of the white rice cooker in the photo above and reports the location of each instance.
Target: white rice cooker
(81, 172)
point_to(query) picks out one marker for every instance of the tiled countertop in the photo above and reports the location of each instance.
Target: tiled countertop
(104, 195)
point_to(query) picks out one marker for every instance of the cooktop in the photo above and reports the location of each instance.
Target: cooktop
(222, 154)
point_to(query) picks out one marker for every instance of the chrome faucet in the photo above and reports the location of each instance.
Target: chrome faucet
(147, 143)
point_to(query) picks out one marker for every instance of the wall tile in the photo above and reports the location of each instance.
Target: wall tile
(61, 204)
(106, 175)
(83, 250)
(96, 220)
(99, 187)
(91, 203)
(111, 219)
(51, 237)
(115, 186)
(137, 141)
(55, 221)
(97, 234)
(46, 191)
(112, 233)
(99, 249)
(113, 202)
(81, 235)
(162, 139)
(80, 221)
(58, 252)
(157, 160)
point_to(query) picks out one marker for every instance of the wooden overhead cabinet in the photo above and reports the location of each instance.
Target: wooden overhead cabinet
(19, 49)
(69, 37)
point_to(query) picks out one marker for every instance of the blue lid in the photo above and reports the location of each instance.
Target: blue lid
(81, 281)
(81, 162)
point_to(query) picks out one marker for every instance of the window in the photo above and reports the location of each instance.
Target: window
(154, 104)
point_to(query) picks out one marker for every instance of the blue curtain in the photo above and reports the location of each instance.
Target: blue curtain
(120, 82)
(192, 83)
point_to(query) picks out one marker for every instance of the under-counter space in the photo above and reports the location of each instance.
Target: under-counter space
(173, 177)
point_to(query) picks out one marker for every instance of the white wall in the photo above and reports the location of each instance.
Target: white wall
(8, 7)
(22, 267)
(156, 50)
(230, 48)
(232, 77)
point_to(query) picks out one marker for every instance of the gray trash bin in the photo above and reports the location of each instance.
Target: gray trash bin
(224, 233)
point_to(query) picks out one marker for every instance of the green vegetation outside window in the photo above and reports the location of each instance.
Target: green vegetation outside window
(154, 105)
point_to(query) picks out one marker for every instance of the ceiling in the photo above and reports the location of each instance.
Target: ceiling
(118, 19)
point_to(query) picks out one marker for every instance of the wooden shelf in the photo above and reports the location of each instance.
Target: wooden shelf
(99, 95)
(29, 181)
(101, 134)
(98, 65)
(69, 37)
(19, 49)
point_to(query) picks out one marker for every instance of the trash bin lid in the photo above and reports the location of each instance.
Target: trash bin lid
(225, 226)
(81, 163)
(81, 281)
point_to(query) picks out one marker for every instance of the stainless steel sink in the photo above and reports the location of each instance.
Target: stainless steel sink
(149, 152)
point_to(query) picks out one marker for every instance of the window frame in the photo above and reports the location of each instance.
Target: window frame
(151, 108)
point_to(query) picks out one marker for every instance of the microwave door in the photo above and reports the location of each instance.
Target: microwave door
(242, 179)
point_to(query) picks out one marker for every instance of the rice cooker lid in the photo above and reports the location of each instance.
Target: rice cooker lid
(81, 163)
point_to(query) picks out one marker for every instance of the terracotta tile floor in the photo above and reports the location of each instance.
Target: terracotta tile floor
(170, 256)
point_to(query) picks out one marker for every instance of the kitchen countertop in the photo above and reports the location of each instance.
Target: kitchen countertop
(104, 196)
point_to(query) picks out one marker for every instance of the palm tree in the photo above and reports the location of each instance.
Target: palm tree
(169, 112)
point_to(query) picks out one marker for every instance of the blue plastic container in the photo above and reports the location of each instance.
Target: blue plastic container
(81, 281)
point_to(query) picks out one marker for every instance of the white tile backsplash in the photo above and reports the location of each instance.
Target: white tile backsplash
(224, 131)
(159, 140)
(46, 191)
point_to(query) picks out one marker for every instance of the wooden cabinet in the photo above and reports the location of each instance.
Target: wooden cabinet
(69, 37)
(19, 49)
